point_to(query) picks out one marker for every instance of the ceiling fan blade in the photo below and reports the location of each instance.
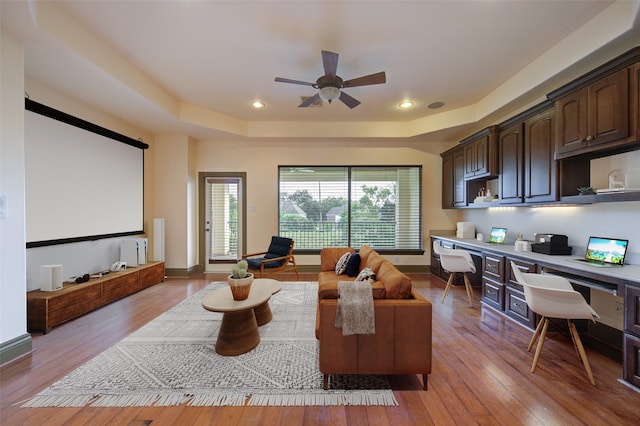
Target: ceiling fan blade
(377, 78)
(310, 101)
(288, 80)
(349, 101)
(330, 62)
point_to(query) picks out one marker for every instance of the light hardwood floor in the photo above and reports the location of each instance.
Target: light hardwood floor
(480, 373)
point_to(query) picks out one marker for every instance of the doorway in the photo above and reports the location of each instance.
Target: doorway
(223, 219)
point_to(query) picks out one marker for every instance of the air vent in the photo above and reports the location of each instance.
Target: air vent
(317, 103)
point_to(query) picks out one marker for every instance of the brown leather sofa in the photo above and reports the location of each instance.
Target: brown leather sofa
(402, 340)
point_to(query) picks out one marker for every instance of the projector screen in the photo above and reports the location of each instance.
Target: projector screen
(83, 182)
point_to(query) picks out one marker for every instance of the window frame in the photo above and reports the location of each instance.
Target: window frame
(349, 182)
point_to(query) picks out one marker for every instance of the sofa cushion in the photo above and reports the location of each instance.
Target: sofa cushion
(328, 286)
(353, 266)
(342, 263)
(374, 262)
(397, 285)
(365, 251)
(329, 257)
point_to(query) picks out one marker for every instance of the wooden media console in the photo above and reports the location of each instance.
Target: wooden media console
(46, 309)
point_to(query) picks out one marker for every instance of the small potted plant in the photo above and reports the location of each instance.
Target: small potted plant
(240, 280)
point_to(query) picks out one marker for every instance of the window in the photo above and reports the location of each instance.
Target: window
(326, 206)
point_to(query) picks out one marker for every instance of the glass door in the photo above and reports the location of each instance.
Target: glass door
(223, 220)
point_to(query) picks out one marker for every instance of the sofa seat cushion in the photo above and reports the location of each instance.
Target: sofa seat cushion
(328, 286)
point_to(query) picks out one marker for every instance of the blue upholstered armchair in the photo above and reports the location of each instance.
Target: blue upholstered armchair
(278, 258)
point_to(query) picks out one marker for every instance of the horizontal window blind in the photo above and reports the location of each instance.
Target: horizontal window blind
(323, 206)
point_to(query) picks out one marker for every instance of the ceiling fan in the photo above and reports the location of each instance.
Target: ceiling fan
(330, 84)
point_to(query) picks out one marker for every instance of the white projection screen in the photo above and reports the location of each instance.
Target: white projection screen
(83, 182)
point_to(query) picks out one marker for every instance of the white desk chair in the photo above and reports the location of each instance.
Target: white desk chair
(455, 261)
(551, 296)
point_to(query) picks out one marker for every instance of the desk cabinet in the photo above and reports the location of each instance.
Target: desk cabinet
(631, 367)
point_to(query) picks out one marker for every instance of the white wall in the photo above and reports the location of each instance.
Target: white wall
(13, 314)
(260, 160)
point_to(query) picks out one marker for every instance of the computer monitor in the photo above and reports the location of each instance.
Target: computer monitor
(497, 235)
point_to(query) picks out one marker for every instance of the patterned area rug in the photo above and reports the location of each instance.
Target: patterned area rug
(172, 361)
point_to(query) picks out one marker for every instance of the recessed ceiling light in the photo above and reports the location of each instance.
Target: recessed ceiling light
(435, 105)
(257, 104)
(405, 104)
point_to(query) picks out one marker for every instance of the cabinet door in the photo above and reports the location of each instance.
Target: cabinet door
(511, 159)
(447, 181)
(482, 156)
(609, 108)
(540, 168)
(631, 363)
(632, 310)
(459, 185)
(470, 160)
(571, 122)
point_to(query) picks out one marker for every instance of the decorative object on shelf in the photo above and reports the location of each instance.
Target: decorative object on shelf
(240, 281)
(586, 190)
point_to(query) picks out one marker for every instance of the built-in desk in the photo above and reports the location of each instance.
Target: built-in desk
(501, 292)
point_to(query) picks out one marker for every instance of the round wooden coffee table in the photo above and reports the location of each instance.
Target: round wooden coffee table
(263, 311)
(238, 332)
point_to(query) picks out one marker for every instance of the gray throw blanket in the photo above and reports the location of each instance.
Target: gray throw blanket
(354, 312)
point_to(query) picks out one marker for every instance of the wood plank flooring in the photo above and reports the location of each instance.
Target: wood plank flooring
(480, 373)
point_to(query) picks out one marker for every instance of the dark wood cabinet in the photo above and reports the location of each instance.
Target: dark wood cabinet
(632, 316)
(593, 116)
(631, 363)
(540, 167)
(515, 305)
(454, 188)
(480, 154)
(511, 164)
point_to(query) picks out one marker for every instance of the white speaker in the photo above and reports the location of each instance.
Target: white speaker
(158, 240)
(50, 277)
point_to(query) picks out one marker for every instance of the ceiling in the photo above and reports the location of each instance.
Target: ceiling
(194, 67)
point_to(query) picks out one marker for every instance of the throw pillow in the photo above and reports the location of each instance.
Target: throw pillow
(365, 274)
(353, 266)
(341, 266)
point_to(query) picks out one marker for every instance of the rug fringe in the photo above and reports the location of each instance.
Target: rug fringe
(383, 398)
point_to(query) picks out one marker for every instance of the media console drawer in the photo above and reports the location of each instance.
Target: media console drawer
(46, 309)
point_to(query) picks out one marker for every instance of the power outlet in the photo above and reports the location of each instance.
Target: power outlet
(396, 259)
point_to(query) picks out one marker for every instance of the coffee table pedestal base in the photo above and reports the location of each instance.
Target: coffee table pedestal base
(238, 333)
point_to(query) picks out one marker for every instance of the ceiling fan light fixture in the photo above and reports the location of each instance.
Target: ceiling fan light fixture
(329, 93)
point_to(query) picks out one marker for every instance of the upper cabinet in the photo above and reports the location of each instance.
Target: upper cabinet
(593, 116)
(544, 154)
(540, 167)
(511, 159)
(480, 154)
(454, 188)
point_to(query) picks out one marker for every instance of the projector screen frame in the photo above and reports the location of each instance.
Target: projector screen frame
(63, 117)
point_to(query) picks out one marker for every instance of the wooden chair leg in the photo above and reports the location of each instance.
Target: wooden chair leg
(448, 287)
(536, 334)
(467, 285)
(540, 343)
(583, 355)
(325, 382)
(424, 381)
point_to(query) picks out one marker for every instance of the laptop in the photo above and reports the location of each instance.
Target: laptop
(497, 235)
(605, 252)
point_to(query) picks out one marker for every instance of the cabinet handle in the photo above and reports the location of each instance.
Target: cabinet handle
(589, 138)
